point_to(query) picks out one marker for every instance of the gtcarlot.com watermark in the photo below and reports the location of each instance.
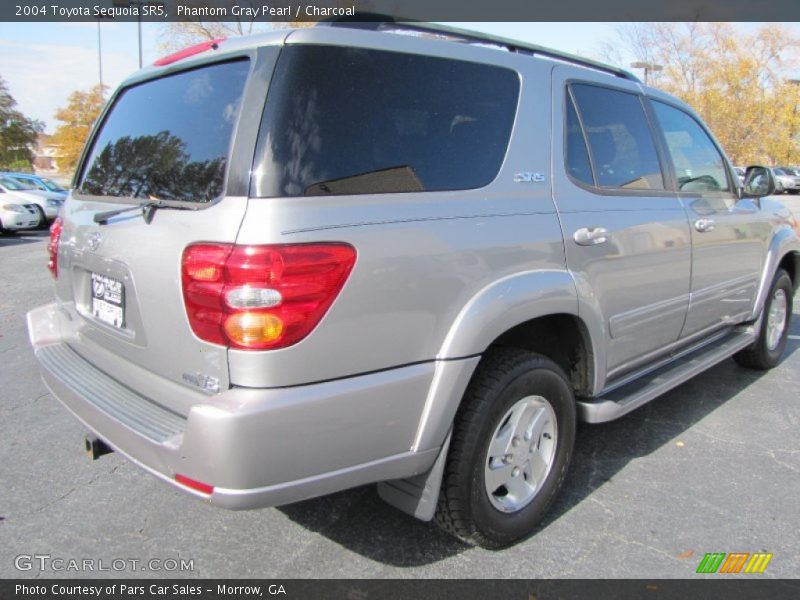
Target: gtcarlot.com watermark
(56, 564)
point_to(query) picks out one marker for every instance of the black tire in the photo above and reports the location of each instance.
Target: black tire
(504, 377)
(760, 356)
(43, 224)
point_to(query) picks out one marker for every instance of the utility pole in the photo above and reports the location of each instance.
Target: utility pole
(140, 4)
(100, 57)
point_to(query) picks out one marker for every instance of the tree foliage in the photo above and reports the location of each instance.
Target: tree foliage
(153, 166)
(737, 82)
(76, 119)
(17, 133)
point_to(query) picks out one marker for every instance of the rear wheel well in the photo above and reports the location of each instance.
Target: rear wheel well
(789, 264)
(562, 338)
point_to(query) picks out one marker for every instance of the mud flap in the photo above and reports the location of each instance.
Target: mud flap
(418, 495)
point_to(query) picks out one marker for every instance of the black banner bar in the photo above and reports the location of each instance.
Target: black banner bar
(403, 10)
(706, 587)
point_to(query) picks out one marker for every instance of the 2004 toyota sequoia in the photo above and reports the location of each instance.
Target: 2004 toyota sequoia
(314, 259)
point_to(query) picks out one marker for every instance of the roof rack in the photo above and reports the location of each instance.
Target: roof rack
(379, 22)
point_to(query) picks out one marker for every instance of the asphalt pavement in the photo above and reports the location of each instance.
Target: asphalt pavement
(713, 466)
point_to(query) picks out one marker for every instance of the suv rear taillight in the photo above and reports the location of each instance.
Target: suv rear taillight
(52, 247)
(261, 297)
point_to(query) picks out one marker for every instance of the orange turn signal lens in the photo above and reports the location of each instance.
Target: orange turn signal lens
(252, 329)
(205, 273)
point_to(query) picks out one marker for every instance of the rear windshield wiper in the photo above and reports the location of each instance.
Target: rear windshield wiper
(147, 207)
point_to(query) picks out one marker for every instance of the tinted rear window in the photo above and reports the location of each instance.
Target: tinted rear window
(356, 121)
(168, 138)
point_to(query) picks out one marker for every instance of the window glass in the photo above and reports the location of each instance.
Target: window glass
(30, 183)
(620, 140)
(52, 185)
(357, 121)
(168, 138)
(14, 184)
(578, 165)
(698, 164)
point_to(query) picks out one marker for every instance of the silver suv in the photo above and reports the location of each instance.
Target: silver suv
(310, 260)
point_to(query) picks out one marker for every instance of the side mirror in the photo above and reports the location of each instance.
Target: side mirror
(758, 182)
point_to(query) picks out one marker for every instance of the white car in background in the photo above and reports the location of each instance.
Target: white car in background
(785, 180)
(15, 216)
(46, 206)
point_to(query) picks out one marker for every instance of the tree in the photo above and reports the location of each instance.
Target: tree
(153, 166)
(77, 119)
(736, 81)
(17, 134)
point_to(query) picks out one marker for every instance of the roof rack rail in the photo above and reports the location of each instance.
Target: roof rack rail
(380, 22)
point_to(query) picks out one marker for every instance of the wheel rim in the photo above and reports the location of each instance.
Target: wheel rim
(521, 453)
(776, 319)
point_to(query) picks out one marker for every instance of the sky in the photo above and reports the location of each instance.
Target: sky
(42, 63)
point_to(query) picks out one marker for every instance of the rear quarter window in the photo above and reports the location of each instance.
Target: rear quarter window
(168, 138)
(620, 140)
(358, 121)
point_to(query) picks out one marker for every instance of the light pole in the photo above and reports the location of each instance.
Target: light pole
(139, 4)
(648, 68)
(792, 129)
(100, 57)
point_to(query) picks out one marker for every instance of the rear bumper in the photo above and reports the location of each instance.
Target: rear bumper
(257, 447)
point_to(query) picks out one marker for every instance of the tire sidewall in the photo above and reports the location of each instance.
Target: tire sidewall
(782, 281)
(42, 218)
(541, 381)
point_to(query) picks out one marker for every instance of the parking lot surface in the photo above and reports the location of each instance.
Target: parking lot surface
(713, 466)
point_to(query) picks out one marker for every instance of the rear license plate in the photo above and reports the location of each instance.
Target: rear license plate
(108, 300)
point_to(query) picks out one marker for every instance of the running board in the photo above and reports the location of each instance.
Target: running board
(622, 400)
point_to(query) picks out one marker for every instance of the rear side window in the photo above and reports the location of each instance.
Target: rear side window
(578, 165)
(698, 164)
(357, 121)
(169, 138)
(620, 141)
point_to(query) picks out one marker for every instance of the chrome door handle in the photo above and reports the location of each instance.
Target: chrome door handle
(591, 236)
(704, 225)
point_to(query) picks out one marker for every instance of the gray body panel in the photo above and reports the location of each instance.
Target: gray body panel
(371, 393)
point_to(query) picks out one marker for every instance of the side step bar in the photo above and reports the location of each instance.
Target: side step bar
(622, 400)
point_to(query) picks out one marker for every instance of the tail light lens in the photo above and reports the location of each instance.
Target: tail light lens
(261, 297)
(52, 247)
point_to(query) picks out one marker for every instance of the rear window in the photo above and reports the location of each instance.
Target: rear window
(357, 121)
(168, 139)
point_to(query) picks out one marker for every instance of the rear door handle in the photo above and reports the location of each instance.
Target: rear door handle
(704, 225)
(591, 236)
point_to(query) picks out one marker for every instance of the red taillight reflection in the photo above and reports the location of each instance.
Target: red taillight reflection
(52, 247)
(195, 485)
(190, 51)
(261, 297)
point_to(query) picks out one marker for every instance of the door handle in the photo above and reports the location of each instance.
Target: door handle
(704, 225)
(591, 236)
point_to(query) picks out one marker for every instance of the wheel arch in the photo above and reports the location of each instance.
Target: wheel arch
(536, 311)
(783, 253)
